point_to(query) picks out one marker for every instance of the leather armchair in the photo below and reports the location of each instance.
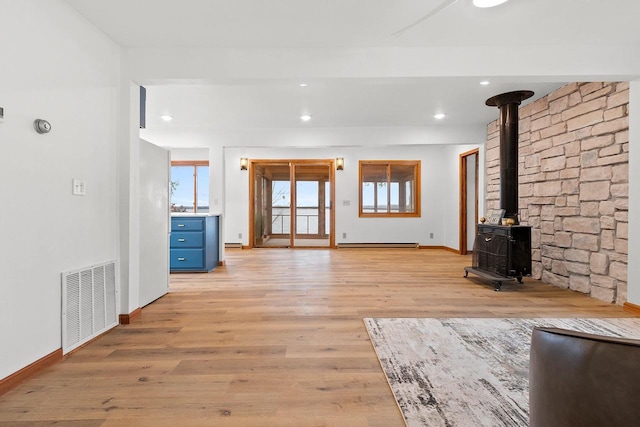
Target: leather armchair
(582, 380)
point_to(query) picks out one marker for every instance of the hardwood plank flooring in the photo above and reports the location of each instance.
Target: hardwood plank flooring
(274, 338)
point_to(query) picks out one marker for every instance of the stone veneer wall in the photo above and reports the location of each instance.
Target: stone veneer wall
(573, 186)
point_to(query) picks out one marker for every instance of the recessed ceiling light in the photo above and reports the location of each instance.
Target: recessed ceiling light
(305, 117)
(488, 3)
(439, 116)
(485, 82)
(166, 118)
(303, 85)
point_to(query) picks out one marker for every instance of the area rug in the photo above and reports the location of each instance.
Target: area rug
(468, 372)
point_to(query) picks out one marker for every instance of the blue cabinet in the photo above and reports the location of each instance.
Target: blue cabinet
(194, 243)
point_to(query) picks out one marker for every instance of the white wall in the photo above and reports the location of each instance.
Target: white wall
(56, 67)
(439, 173)
(633, 267)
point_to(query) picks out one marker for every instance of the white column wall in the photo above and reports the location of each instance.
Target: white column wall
(55, 66)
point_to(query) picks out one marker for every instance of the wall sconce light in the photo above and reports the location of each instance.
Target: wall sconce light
(340, 163)
(244, 163)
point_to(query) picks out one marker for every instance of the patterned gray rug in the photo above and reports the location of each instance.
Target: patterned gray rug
(468, 372)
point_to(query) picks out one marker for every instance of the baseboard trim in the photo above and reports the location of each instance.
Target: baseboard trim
(378, 245)
(126, 319)
(631, 308)
(444, 248)
(18, 377)
(222, 263)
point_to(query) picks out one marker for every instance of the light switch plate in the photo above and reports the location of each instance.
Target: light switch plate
(79, 188)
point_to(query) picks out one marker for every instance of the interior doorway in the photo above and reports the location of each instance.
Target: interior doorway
(291, 203)
(468, 200)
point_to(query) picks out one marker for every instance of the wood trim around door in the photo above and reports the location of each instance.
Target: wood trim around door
(463, 232)
(331, 163)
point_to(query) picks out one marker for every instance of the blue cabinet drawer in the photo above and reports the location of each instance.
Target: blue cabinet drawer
(187, 259)
(188, 239)
(187, 224)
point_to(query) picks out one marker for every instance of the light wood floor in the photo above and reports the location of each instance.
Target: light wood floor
(274, 338)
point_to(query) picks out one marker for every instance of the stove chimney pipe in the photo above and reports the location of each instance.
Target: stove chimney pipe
(508, 104)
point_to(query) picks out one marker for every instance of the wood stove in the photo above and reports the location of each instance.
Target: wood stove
(502, 253)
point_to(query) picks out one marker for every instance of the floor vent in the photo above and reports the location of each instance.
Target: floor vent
(89, 304)
(378, 245)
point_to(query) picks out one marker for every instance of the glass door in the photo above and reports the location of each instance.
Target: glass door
(291, 203)
(311, 218)
(271, 205)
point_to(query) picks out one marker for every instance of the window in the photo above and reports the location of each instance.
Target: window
(190, 186)
(390, 188)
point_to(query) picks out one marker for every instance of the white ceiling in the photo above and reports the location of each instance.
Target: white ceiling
(318, 24)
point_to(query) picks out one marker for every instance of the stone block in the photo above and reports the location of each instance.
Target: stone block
(572, 149)
(559, 105)
(587, 88)
(581, 225)
(607, 207)
(617, 257)
(586, 241)
(573, 200)
(604, 281)
(547, 239)
(563, 91)
(599, 263)
(597, 190)
(557, 223)
(546, 263)
(603, 294)
(563, 239)
(607, 239)
(618, 98)
(590, 209)
(595, 105)
(612, 150)
(552, 152)
(541, 123)
(618, 270)
(570, 186)
(621, 216)
(554, 253)
(576, 255)
(546, 227)
(561, 201)
(547, 189)
(622, 204)
(622, 136)
(620, 173)
(575, 98)
(579, 283)
(565, 138)
(597, 142)
(555, 280)
(573, 162)
(558, 267)
(547, 212)
(589, 158)
(535, 255)
(585, 120)
(620, 190)
(621, 293)
(577, 268)
(549, 176)
(539, 105)
(607, 223)
(612, 126)
(536, 270)
(534, 210)
(614, 113)
(553, 163)
(541, 145)
(600, 173)
(532, 161)
(621, 246)
(599, 93)
(557, 127)
(567, 211)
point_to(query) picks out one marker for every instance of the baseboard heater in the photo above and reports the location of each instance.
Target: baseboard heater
(89, 304)
(233, 245)
(378, 245)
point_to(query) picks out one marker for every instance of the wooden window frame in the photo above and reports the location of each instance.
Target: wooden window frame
(390, 163)
(195, 164)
